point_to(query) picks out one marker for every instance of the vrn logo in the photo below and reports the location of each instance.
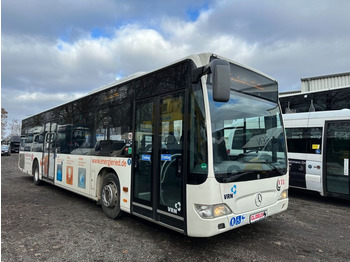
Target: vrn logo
(233, 192)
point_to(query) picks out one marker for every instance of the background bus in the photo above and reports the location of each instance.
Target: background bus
(152, 145)
(15, 143)
(319, 151)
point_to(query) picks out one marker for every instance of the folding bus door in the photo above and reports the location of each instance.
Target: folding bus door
(336, 158)
(49, 151)
(158, 173)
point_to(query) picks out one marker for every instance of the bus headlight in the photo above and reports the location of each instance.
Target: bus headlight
(212, 211)
(283, 195)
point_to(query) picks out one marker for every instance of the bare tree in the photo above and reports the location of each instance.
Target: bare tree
(15, 127)
(4, 115)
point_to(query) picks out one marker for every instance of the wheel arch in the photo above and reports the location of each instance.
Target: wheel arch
(36, 166)
(103, 172)
(36, 163)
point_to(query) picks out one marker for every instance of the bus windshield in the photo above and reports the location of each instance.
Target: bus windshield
(247, 131)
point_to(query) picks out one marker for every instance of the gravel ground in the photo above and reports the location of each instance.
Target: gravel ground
(46, 223)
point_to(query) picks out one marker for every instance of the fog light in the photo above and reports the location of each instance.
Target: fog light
(221, 226)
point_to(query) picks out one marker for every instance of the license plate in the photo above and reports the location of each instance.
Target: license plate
(258, 216)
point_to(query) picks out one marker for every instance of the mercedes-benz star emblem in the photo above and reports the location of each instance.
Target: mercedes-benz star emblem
(258, 200)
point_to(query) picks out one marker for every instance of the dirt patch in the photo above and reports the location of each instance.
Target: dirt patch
(46, 223)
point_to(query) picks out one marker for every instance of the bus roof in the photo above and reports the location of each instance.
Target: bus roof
(15, 138)
(343, 113)
(199, 59)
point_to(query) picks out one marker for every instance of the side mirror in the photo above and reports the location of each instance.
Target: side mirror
(221, 76)
(220, 70)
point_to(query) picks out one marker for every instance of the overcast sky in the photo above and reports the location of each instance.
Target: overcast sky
(56, 51)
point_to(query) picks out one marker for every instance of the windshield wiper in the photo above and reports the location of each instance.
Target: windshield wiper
(237, 175)
(230, 177)
(274, 168)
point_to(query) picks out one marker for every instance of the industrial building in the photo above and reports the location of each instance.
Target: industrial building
(320, 93)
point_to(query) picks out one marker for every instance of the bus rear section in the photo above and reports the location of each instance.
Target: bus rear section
(15, 143)
(319, 150)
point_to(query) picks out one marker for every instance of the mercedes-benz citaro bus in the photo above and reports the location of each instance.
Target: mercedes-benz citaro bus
(197, 146)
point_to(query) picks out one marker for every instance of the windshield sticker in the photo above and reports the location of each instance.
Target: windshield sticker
(204, 165)
(233, 192)
(315, 146)
(129, 150)
(235, 221)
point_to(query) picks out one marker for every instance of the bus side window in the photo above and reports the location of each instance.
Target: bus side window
(304, 140)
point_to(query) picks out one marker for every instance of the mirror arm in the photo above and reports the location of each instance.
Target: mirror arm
(199, 72)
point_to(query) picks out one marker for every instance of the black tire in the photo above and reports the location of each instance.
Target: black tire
(110, 196)
(36, 179)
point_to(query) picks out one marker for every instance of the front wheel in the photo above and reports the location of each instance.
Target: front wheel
(110, 196)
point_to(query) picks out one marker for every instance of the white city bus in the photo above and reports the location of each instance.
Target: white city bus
(319, 151)
(153, 145)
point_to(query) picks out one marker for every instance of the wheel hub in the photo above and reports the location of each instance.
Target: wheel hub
(109, 195)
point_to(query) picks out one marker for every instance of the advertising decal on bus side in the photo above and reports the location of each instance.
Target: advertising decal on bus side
(111, 162)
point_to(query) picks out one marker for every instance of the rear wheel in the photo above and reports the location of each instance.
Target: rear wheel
(110, 196)
(36, 179)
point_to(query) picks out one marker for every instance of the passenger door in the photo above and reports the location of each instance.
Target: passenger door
(49, 151)
(337, 146)
(158, 173)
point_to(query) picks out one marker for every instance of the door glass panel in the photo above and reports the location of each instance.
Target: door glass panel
(144, 131)
(337, 157)
(46, 158)
(49, 150)
(171, 152)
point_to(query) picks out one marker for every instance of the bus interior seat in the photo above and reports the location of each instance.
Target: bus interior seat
(219, 147)
(109, 147)
(171, 143)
